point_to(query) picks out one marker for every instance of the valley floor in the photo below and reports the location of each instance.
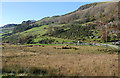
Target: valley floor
(43, 60)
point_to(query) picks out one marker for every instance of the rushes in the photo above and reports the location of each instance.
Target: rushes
(50, 61)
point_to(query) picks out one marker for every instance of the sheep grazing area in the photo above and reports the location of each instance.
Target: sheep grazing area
(44, 60)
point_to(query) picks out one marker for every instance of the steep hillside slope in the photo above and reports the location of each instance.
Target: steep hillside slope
(87, 23)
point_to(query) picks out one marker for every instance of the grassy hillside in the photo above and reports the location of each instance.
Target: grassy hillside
(66, 45)
(7, 29)
(87, 23)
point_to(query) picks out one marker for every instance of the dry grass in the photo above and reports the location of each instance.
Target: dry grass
(46, 60)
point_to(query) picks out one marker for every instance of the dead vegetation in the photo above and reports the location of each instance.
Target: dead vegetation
(52, 61)
(66, 47)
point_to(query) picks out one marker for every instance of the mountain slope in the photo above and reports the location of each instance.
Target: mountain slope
(87, 23)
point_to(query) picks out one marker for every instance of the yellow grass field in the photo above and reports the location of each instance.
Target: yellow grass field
(27, 60)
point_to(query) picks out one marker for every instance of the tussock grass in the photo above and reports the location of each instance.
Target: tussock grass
(48, 61)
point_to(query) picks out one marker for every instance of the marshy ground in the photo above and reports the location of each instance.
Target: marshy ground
(24, 60)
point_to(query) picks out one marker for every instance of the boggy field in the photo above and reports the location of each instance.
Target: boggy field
(40, 60)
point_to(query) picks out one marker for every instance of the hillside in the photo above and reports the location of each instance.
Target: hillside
(86, 24)
(7, 29)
